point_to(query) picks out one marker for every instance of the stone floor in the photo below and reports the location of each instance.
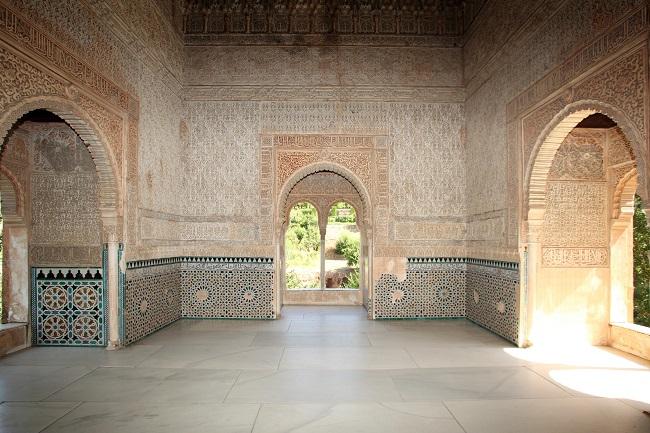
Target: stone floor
(323, 369)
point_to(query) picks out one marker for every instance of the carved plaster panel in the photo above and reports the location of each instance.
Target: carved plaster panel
(580, 157)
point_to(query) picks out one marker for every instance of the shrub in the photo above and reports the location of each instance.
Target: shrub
(641, 265)
(293, 282)
(352, 280)
(348, 246)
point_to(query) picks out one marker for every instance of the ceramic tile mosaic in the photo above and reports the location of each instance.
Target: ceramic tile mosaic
(492, 293)
(430, 290)
(239, 288)
(159, 292)
(151, 298)
(484, 291)
(68, 307)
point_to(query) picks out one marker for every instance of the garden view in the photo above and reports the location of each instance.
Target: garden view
(341, 252)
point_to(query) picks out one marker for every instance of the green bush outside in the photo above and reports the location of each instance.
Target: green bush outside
(641, 265)
(348, 246)
(302, 245)
(351, 281)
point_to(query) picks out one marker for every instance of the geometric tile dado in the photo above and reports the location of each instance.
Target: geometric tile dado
(161, 291)
(68, 307)
(484, 291)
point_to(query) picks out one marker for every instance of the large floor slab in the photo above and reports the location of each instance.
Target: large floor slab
(323, 369)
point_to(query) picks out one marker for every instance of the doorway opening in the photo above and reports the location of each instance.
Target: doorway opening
(52, 232)
(323, 259)
(303, 248)
(584, 253)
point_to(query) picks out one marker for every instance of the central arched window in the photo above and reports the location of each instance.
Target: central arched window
(326, 255)
(302, 246)
(342, 246)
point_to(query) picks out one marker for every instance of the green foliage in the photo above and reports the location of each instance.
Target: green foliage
(338, 211)
(641, 265)
(303, 227)
(302, 245)
(348, 246)
(294, 282)
(352, 280)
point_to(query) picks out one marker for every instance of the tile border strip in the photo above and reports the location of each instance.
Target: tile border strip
(138, 264)
(462, 260)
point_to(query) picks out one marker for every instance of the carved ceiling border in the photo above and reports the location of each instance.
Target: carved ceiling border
(326, 93)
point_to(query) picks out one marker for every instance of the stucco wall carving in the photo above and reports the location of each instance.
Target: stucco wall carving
(587, 173)
(531, 76)
(323, 66)
(324, 189)
(580, 157)
(57, 177)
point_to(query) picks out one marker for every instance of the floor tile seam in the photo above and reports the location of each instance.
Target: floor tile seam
(444, 403)
(137, 365)
(257, 415)
(385, 405)
(497, 398)
(412, 357)
(562, 388)
(70, 384)
(232, 386)
(61, 417)
(284, 351)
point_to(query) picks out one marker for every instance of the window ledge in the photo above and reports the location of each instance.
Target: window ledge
(632, 327)
(5, 326)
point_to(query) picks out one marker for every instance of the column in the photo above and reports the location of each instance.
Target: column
(322, 260)
(15, 274)
(112, 281)
(534, 257)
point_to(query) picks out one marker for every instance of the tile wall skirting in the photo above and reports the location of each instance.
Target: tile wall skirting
(160, 291)
(484, 291)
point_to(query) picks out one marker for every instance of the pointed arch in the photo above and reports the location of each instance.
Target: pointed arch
(88, 131)
(13, 196)
(324, 167)
(552, 137)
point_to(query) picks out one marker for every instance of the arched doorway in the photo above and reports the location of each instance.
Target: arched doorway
(61, 214)
(323, 189)
(579, 204)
